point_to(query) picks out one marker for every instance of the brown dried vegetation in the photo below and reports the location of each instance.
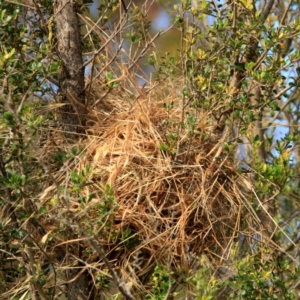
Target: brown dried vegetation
(177, 202)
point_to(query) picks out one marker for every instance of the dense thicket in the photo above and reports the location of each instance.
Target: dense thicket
(180, 184)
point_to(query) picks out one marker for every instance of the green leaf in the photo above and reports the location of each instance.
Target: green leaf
(163, 147)
(75, 177)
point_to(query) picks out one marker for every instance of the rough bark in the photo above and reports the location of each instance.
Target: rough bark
(73, 113)
(69, 49)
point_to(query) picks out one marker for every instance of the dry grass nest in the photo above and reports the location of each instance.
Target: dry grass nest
(177, 191)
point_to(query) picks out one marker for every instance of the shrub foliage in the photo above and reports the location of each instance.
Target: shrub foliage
(181, 184)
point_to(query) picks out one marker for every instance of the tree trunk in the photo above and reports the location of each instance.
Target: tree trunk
(73, 113)
(69, 49)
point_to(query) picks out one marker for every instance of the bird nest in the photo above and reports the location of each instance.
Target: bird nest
(156, 188)
(177, 192)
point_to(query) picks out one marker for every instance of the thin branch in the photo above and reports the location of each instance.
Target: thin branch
(147, 46)
(124, 6)
(282, 21)
(21, 4)
(278, 95)
(268, 9)
(90, 266)
(31, 272)
(103, 46)
(121, 285)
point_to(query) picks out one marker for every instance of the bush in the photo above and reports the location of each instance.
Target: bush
(179, 188)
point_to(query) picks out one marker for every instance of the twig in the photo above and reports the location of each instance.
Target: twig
(21, 4)
(124, 6)
(147, 46)
(285, 105)
(282, 21)
(121, 285)
(90, 266)
(268, 9)
(104, 45)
